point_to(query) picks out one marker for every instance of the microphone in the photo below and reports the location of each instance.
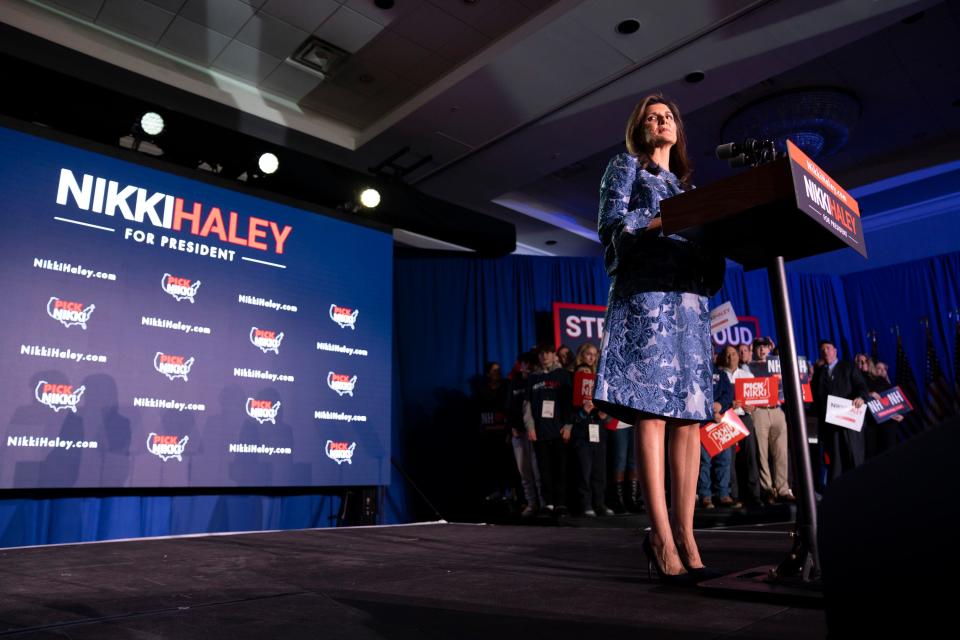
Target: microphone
(750, 152)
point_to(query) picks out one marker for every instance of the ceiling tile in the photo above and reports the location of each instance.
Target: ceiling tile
(366, 79)
(384, 16)
(395, 54)
(465, 11)
(86, 8)
(192, 41)
(509, 15)
(245, 62)
(256, 4)
(464, 46)
(331, 99)
(223, 16)
(306, 15)
(272, 36)
(290, 82)
(136, 18)
(348, 30)
(428, 26)
(170, 5)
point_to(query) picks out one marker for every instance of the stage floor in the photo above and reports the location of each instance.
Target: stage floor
(418, 581)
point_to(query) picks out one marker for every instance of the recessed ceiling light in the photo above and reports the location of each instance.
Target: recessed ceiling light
(550, 243)
(695, 76)
(383, 4)
(628, 26)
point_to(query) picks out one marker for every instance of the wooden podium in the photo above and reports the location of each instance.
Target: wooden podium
(784, 210)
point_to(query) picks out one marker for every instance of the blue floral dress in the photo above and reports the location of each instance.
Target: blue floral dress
(656, 351)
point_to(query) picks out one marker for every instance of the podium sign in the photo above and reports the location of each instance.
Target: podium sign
(824, 200)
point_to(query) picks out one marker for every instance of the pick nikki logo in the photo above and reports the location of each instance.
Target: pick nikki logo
(343, 384)
(263, 410)
(340, 452)
(167, 447)
(266, 340)
(58, 396)
(180, 288)
(69, 313)
(173, 366)
(344, 316)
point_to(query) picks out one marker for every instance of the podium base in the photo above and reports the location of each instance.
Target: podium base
(762, 584)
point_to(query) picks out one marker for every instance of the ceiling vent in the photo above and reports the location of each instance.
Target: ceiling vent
(318, 57)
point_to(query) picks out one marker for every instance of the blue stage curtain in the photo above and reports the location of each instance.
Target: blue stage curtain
(25, 521)
(817, 302)
(902, 295)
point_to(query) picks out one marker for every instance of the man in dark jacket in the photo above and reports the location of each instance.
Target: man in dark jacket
(838, 378)
(547, 417)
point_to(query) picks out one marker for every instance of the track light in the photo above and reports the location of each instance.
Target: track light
(151, 123)
(268, 163)
(369, 198)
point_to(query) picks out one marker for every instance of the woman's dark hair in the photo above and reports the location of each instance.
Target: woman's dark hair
(637, 146)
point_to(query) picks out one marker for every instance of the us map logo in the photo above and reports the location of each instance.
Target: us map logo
(344, 317)
(167, 447)
(173, 366)
(340, 452)
(263, 410)
(266, 340)
(58, 396)
(69, 313)
(180, 288)
(341, 383)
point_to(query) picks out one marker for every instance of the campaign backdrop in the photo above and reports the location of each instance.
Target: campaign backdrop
(164, 332)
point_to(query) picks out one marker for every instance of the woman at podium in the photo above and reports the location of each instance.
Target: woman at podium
(655, 363)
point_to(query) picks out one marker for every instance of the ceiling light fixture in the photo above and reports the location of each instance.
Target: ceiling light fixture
(151, 123)
(628, 26)
(268, 163)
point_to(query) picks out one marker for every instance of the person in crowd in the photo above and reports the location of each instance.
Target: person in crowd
(772, 440)
(590, 441)
(745, 351)
(522, 447)
(565, 357)
(654, 367)
(745, 457)
(842, 379)
(877, 437)
(547, 418)
(622, 453)
(491, 402)
(715, 472)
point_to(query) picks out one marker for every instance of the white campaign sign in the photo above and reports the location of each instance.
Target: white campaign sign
(723, 317)
(842, 413)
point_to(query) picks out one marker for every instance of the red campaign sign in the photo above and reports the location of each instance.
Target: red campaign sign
(717, 436)
(583, 387)
(758, 392)
(574, 324)
(892, 402)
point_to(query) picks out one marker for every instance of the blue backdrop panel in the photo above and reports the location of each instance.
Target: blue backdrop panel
(165, 332)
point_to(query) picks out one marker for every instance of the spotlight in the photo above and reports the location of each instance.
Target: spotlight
(151, 123)
(370, 198)
(268, 163)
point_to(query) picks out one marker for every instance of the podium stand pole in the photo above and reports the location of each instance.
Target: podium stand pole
(803, 560)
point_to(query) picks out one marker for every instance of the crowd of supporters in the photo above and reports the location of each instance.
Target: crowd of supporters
(549, 451)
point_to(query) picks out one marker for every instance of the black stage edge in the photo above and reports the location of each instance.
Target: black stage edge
(419, 581)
